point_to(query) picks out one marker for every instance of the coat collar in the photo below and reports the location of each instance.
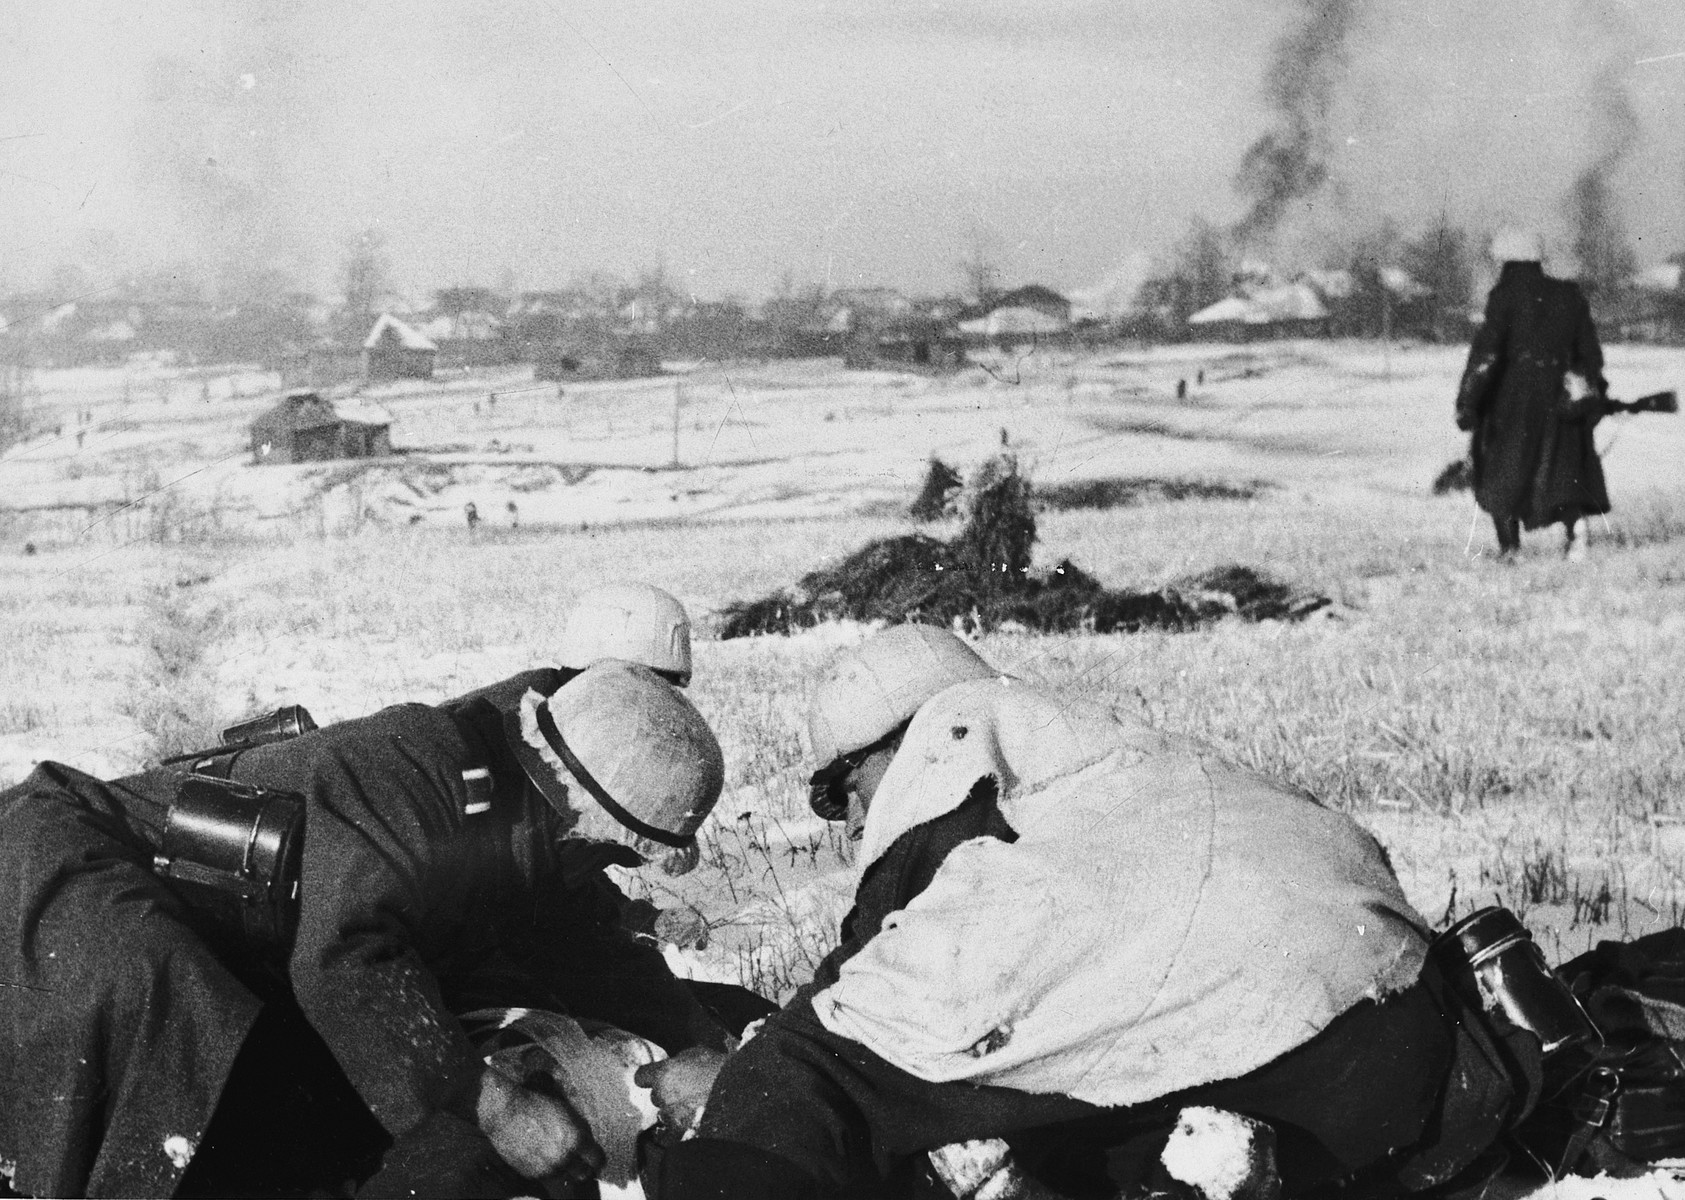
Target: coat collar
(1022, 737)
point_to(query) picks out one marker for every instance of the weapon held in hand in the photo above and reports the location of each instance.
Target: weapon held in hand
(1655, 402)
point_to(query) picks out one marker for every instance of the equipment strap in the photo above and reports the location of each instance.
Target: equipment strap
(1591, 1113)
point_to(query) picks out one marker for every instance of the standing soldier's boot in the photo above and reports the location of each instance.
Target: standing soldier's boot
(1509, 536)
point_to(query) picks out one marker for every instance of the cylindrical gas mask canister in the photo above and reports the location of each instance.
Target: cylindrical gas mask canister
(282, 725)
(1511, 972)
(235, 851)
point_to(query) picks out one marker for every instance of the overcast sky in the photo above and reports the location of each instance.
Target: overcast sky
(855, 141)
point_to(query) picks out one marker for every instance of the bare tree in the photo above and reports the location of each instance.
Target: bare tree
(1440, 261)
(981, 268)
(1200, 273)
(365, 275)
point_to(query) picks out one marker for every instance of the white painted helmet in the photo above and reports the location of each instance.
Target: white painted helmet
(869, 690)
(630, 621)
(1515, 243)
(634, 743)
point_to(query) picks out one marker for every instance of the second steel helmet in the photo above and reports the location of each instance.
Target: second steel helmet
(638, 747)
(871, 689)
(631, 621)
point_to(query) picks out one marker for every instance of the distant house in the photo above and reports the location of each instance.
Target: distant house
(588, 355)
(1287, 310)
(304, 427)
(1033, 296)
(1014, 323)
(917, 342)
(848, 310)
(1028, 314)
(395, 350)
(468, 338)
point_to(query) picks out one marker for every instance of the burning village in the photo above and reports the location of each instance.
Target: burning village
(882, 600)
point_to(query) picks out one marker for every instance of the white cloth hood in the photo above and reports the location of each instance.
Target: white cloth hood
(1164, 919)
(1002, 727)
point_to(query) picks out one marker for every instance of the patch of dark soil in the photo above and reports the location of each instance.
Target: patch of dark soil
(983, 579)
(1121, 491)
(1458, 476)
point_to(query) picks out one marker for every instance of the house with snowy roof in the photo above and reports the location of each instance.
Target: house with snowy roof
(395, 349)
(1289, 309)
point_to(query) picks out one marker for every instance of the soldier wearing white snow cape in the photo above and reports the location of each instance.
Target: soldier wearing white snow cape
(1067, 929)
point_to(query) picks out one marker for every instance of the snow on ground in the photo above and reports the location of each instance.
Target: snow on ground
(325, 600)
(783, 439)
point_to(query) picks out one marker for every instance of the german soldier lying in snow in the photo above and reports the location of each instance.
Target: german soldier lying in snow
(1067, 930)
(158, 1037)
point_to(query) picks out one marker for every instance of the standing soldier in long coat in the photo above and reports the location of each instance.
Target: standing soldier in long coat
(149, 1046)
(1534, 458)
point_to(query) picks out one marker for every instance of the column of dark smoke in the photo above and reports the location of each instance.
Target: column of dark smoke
(1601, 242)
(1290, 161)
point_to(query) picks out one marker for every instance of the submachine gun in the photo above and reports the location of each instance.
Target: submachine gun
(1655, 402)
(234, 851)
(1581, 399)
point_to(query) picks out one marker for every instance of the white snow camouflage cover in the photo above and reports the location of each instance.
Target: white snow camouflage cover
(1164, 920)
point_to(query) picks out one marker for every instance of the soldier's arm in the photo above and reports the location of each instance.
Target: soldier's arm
(1588, 350)
(361, 981)
(578, 950)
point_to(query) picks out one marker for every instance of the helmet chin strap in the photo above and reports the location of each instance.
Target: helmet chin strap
(553, 738)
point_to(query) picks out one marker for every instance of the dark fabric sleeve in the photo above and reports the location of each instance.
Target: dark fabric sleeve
(505, 695)
(836, 1112)
(444, 1157)
(1587, 354)
(576, 950)
(382, 806)
(709, 1169)
(1485, 367)
(843, 1116)
(907, 868)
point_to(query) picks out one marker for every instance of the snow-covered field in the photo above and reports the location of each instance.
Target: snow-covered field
(1508, 731)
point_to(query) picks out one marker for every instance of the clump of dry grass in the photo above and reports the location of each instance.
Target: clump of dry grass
(982, 579)
(1648, 519)
(173, 698)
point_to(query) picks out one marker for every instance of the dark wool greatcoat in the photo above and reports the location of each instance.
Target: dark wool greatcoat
(505, 695)
(1532, 461)
(119, 1022)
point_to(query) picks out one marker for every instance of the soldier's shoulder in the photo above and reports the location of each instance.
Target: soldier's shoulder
(409, 718)
(506, 694)
(1567, 288)
(406, 725)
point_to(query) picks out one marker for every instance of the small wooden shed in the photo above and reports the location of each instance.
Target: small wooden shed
(914, 342)
(306, 428)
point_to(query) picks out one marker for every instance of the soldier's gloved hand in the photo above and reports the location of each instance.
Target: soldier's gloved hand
(536, 1134)
(679, 1086)
(683, 927)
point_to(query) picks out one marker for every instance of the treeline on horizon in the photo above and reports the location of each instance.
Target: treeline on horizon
(1389, 284)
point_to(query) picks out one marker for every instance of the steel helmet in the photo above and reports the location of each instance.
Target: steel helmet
(872, 688)
(634, 743)
(631, 621)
